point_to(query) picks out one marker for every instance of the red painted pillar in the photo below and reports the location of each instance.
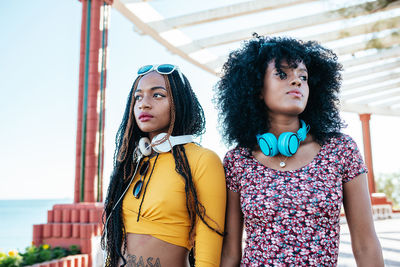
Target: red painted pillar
(92, 116)
(365, 118)
(80, 103)
(91, 110)
(78, 223)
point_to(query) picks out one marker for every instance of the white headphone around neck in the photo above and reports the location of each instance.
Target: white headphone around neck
(145, 146)
(144, 149)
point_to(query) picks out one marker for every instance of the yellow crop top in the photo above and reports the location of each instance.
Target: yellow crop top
(164, 214)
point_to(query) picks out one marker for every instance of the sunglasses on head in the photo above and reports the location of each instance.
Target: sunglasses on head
(137, 189)
(161, 69)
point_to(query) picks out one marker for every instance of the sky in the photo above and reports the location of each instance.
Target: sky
(39, 66)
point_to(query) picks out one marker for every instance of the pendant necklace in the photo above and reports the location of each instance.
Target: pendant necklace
(283, 162)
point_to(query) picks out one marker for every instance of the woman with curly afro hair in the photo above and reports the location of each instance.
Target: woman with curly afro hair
(292, 168)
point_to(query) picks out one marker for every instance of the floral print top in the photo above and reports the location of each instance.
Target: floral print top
(291, 217)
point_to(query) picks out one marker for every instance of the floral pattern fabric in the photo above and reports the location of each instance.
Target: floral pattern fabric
(291, 218)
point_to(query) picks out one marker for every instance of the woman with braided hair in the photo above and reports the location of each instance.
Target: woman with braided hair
(167, 194)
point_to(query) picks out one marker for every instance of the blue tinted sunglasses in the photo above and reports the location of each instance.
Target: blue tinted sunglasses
(137, 189)
(161, 69)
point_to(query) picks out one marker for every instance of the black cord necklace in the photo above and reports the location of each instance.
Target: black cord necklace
(145, 188)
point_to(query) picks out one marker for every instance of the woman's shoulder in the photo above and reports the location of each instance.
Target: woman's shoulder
(197, 153)
(237, 153)
(197, 150)
(204, 162)
(341, 139)
(341, 144)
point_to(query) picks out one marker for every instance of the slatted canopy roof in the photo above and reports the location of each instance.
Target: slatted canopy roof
(364, 34)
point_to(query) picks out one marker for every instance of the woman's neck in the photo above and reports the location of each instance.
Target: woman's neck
(280, 124)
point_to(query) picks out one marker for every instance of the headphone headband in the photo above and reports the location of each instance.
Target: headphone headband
(145, 146)
(170, 142)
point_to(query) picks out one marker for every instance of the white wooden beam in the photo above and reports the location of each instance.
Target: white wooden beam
(374, 26)
(360, 109)
(154, 34)
(371, 70)
(395, 106)
(375, 80)
(387, 49)
(384, 42)
(388, 101)
(283, 26)
(381, 54)
(221, 13)
(377, 97)
(351, 95)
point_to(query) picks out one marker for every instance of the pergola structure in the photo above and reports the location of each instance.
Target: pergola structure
(364, 34)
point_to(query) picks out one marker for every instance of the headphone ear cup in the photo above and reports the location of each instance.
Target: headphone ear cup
(144, 146)
(268, 144)
(288, 143)
(302, 132)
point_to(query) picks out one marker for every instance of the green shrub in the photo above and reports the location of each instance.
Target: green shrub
(13, 259)
(34, 254)
(389, 183)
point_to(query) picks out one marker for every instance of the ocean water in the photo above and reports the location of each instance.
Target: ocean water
(17, 218)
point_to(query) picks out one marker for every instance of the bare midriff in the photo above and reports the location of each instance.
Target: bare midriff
(146, 250)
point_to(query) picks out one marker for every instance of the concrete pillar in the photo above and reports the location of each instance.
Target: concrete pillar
(68, 224)
(91, 109)
(365, 118)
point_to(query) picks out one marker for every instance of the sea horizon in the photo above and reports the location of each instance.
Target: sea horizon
(18, 217)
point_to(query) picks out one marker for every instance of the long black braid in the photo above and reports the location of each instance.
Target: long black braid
(187, 119)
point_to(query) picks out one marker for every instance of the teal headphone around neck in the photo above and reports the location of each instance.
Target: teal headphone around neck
(287, 143)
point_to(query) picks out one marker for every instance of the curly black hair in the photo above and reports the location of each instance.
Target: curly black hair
(187, 118)
(242, 113)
